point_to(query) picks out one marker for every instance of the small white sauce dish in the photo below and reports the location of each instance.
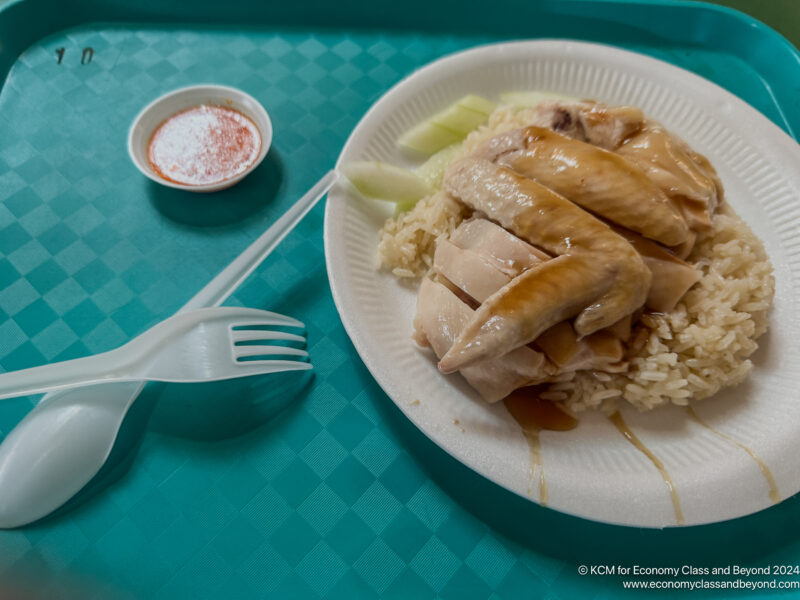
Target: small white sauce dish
(160, 109)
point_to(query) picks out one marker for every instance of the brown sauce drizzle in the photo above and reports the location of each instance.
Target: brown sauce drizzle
(620, 424)
(774, 495)
(534, 414)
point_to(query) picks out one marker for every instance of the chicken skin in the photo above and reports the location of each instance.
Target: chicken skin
(596, 275)
(600, 181)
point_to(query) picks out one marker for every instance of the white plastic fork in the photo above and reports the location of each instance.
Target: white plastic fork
(200, 345)
(65, 440)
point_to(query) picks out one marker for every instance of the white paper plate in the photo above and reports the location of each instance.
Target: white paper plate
(592, 471)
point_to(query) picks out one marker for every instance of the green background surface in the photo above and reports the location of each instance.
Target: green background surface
(285, 488)
(781, 15)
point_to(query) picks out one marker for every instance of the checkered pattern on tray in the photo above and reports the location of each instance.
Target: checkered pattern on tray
(336, 496)
(322, 499)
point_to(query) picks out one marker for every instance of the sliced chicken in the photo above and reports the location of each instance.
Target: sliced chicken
(707, 169)
(481, 257)
(621, 329)
(672, 277)
(593, 122)
(683, 250)
(503, 249)
(597, 275)
(474, 280)
(686, 177)
(469, 271)
(600, 351)
(441, 316)
(668, 163)
(600, 181)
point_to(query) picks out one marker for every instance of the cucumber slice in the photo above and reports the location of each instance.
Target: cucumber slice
(432, 170)
(404, 206)
(448, 126)
(428, 137)
(528, 99)
(478, 104)
(459, 119)
(387, 182)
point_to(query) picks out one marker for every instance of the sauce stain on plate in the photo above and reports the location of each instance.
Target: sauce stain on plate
(534, 414)
(623, 428)
(774, 495)
(204, 145)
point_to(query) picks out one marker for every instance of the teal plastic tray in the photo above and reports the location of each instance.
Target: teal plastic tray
(215, 492)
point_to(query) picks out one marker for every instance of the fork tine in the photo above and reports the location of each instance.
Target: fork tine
(244, 335)
(257, 313)
(263, 367)
(259, 318)
(244, 351)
